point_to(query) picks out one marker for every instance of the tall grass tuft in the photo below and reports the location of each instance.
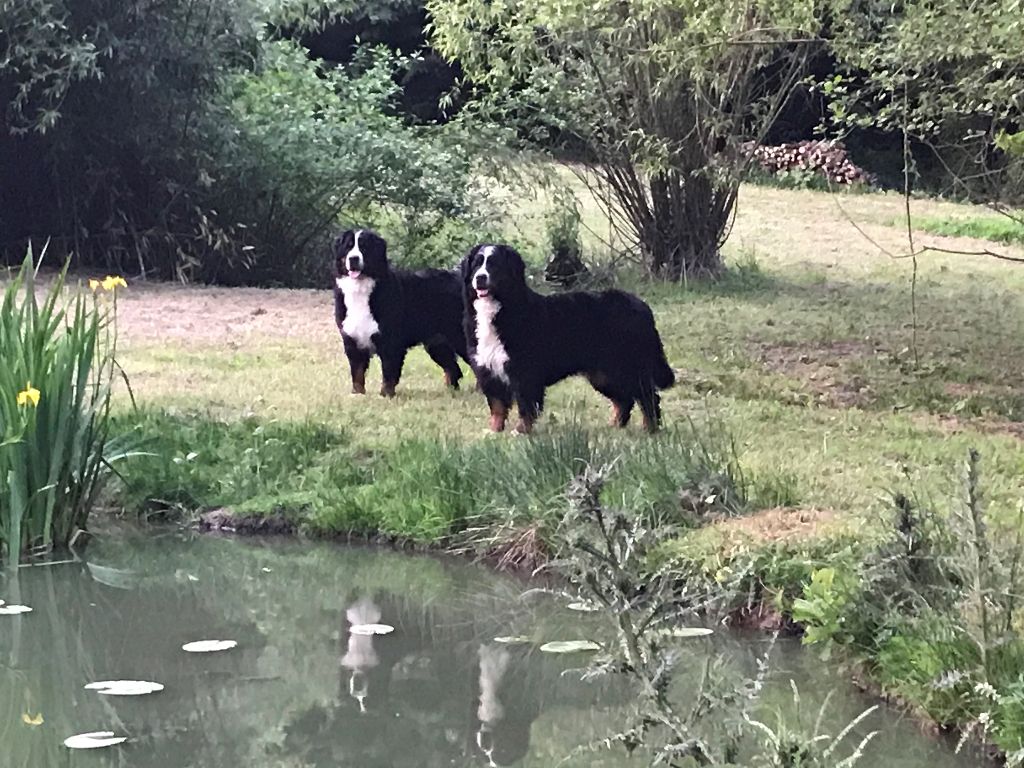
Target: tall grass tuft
(56, 369)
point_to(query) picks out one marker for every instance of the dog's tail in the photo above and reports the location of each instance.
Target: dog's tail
(664, 376)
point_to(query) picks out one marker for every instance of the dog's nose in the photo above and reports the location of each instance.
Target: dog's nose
(481, 281)
(353, 262)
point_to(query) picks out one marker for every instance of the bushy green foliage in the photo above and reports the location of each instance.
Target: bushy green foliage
(56, 370)
(189, 139)
(298, 148)
(825, 606)
(924, 661)
(946, 72)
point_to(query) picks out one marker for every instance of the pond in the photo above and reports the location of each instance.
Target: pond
(299, 690)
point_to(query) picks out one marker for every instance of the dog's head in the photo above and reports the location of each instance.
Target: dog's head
(360, 253)
(494, 271)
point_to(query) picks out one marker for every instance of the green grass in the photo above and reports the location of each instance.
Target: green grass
(424, 491)
(998, 229)
(803, 352)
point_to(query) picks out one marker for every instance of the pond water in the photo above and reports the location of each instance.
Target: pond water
(299, 690)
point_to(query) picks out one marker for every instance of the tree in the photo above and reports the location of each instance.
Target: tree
(194, 139)
(950, 75)
(660, 94)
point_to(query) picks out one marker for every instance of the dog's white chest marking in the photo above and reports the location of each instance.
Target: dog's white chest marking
(490, 352)
(359, 323)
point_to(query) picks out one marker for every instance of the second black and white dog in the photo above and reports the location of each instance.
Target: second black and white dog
(385, 311)
(521, 342)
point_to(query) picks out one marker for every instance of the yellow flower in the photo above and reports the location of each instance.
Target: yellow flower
(29, 395)
(112, 282)
(28, 719)
(94, 285)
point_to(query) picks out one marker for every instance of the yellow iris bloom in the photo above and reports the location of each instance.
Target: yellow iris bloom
(108, 283)
(29, 395)
(28, 719)
(112, 282)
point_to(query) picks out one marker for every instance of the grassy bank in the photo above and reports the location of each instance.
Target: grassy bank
(429, 491)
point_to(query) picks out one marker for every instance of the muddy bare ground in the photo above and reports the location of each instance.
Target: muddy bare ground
(820, 368)
(208, 316)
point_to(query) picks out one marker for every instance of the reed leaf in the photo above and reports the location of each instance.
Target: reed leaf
(54, 452)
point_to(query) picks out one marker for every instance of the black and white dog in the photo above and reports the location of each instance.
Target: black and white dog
(385, 311)
(521, 342)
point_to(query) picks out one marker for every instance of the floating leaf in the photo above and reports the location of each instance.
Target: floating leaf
(371, 629)
(209, 646)
(583, 606)
(689, 632)
(117, 578)
(14, 610)
(513, 640)
(570, 646)
(124, 687)
(28, 719)
(94, 740)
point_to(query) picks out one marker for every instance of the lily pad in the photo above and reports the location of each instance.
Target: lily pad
(689, 632)
(583, 606)
(124, 687)
(513, 640)
(371, 629)
(14, 610)
(570, 646)
(118, 578)
(94, 740)
(209, 646)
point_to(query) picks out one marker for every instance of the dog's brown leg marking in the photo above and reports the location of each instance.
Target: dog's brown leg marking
(524, 426)
(499, 413)
(620, 416)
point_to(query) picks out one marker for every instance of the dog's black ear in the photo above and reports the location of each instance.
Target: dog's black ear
(466, 265)
(341, 246)
(516, 265)
(377, 243)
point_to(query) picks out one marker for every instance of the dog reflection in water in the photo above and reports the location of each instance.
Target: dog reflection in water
(360, 656)
(503, 735)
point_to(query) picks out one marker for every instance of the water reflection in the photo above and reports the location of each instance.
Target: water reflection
(359, 656)
(506, 711)
(300, 690)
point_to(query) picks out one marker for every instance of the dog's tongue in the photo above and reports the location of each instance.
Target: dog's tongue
(354, 273)
(482, 293)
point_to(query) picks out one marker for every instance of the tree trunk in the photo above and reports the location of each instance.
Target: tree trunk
(683, 235)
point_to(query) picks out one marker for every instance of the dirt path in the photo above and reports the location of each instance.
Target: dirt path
(160, 311)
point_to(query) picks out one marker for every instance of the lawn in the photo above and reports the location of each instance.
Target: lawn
(804, 353)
